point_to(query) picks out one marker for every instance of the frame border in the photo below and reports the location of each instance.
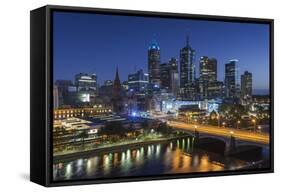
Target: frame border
(49, 87)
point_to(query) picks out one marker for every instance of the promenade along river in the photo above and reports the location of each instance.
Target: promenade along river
(177, 156)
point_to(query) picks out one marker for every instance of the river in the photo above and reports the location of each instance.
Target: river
(171, 157)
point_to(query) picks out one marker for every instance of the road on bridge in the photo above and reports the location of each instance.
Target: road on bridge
(244, 135)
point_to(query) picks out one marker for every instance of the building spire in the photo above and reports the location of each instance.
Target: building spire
(154, 44)
(187, 40)
(117, 98)
(117, 75)
(154, 39)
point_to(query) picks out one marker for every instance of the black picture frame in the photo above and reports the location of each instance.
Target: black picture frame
(41, 99)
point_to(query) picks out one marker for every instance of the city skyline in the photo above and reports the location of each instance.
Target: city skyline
(130, 54)
(168, 99)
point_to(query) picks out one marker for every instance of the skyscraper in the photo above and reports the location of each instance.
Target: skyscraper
(232, 80)
(208, 68)
(165, 75)
(187, 72)
(138, 81)
(209, 87)
(154, 63)
(169, 75)
(246, 85)
(174, 75)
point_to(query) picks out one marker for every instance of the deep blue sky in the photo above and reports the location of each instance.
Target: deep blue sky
(92, 43)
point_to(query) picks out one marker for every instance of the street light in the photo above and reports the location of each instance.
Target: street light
(223, 124)
(238, 122)
(259, 128)
(195, 128)
(231, 134)
(254, 122)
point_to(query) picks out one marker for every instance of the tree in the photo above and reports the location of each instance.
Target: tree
(113, 129)
(261, 111)
(163, 128)
(237, 111)
(213, 118)
(232, 111)
(224, 109)
(145, 126)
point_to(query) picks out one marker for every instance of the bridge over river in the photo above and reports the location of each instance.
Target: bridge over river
(235, 140)
(243, 135)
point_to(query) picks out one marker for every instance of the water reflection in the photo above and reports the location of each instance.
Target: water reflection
(155, 159)
(68, 170)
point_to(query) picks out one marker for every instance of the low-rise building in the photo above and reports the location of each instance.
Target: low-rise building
(96, 109)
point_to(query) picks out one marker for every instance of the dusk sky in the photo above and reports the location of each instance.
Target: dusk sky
(91, 43)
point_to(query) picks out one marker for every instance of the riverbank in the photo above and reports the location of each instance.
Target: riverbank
(113, 148)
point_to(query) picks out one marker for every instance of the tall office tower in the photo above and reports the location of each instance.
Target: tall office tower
(165, 75)
(174, 75)
(117, 98)
(208, 69)
(232, 80)
(154, 63)
(246, 85)
(169, 75)
(187, 72)
(208, 77)
(137, 82)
